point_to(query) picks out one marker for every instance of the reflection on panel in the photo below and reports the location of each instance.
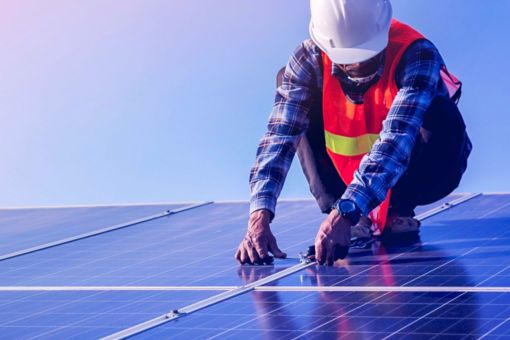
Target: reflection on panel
(333, 315)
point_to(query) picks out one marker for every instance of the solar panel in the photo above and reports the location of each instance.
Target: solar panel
(447, 284)
(437, 262)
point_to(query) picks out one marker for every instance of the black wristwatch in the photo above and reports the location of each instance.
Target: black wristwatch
(349, 210)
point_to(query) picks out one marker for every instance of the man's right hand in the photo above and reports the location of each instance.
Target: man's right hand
(259, 241)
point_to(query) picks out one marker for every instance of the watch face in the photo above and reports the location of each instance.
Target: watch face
(347, 206)
(349, 210)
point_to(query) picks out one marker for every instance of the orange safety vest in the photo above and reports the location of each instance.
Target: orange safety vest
(351, 129)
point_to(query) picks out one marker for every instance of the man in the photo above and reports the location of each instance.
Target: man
(387, 137)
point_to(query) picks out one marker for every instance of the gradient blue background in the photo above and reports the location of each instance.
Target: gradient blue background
(107, 101)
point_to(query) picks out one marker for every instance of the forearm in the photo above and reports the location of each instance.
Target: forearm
(287, 123)
(268, 174)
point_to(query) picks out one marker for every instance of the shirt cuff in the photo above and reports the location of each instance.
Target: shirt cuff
(259, 203)
(358, 195)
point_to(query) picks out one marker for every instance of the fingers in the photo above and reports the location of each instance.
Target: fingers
(333, 240)
(243, 258)
(252, 253)
(273, 248)
(330, 260)
(258, 243)
(320, 252)
(327, 252)
(261, 251)
(261, 247)
(330, 255)
(250, 250)
(238, 254)
(241, 254)
(268, 260)
(340, 252)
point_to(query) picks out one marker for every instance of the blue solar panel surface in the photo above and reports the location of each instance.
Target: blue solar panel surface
(353, 315)
(25, 228)
(467, 246)
(462, 246)
(195, 247)
(85, 315)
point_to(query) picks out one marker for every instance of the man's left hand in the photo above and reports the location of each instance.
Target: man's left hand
(333, 239)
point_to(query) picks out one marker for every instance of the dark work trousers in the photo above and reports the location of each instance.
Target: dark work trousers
(438, 160)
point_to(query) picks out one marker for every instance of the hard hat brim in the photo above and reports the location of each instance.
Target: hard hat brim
(355, 54)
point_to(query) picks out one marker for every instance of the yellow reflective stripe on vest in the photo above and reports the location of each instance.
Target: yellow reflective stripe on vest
(350, 146)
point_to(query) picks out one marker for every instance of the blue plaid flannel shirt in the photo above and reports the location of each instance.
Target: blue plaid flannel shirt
(418, 80)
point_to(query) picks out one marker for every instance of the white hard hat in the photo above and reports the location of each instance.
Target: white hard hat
(350, 31)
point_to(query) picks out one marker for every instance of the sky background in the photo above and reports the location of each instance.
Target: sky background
(129, 101)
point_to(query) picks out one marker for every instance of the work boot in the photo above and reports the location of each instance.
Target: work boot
(396, 224)
(401, 231)
(363, 229)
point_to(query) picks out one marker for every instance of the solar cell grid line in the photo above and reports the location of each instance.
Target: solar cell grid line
(400, 289)
(98, 232)
(456, 289)
(506, 321)
(166, 318)
(119, 288)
